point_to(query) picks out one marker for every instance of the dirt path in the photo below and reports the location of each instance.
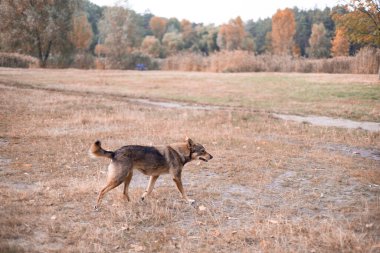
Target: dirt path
(312, 119)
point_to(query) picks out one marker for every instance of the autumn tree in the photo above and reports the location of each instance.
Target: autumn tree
(118, 33)
(158, 26)
(172, 42)
(81, 33)
(151, 46)
(188, 33)
(37, 28)
(361, 20)
(319, 43)
(231, 36)
(340, 44)
(283, 31)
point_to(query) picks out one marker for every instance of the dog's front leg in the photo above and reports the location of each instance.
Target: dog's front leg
(150, 187)
(178, 182)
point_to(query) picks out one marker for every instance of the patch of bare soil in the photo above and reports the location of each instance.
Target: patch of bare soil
(331, 122)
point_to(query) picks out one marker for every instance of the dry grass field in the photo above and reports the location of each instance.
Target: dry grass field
(273, 185)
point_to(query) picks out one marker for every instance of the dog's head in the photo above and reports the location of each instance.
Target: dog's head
(197, 151)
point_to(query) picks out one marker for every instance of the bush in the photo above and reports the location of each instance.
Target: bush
(60, 61)
(15, 60)
(84, 61)
(131, 60)
(365, 62)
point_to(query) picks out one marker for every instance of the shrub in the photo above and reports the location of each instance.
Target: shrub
(365, 62)
(15, 60)
(83, 61)
(131, 60)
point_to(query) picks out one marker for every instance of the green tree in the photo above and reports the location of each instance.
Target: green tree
(258, 31)
(303, 30)
(173, 25)
(36, 28)
(94, 14)
(172, 43)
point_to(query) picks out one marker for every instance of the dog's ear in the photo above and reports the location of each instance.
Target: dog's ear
(190, 142)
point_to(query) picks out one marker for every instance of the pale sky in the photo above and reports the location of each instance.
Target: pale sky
(217, 12)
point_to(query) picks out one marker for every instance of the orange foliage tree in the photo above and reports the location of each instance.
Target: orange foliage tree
(361, 20)
(231, 36)
(188, 33)
(158, 26)
(283, 31)
(81, 33)
(340, 44)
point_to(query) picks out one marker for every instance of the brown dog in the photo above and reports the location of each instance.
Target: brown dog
(152, 161)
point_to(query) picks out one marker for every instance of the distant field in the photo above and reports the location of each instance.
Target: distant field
(272, 186)
(338, 95)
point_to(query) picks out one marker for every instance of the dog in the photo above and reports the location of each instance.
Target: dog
(150, 160)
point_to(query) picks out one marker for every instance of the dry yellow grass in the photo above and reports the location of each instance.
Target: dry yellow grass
(339, 95)
(273, 186)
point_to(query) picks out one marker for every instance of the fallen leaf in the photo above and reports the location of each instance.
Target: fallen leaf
(137, 248)
(202, 208)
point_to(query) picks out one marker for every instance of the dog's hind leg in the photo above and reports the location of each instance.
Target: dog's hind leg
(110, 185)
(126, 184)
(150, 187)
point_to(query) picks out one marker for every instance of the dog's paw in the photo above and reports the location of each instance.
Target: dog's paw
(126, 197)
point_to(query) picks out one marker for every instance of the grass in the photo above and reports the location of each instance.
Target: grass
(348, 96)
(273, 186)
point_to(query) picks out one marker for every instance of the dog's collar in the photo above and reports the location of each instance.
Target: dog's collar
(188, 158)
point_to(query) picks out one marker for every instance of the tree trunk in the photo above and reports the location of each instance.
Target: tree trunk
(42, 56)
(46, 56)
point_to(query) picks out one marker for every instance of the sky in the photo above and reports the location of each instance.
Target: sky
(217, 11)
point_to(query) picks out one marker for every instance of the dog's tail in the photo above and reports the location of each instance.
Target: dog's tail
(97, 151)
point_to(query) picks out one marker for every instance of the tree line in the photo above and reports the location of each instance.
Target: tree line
(75, 32)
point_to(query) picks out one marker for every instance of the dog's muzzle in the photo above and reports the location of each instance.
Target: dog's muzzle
(206, 160)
